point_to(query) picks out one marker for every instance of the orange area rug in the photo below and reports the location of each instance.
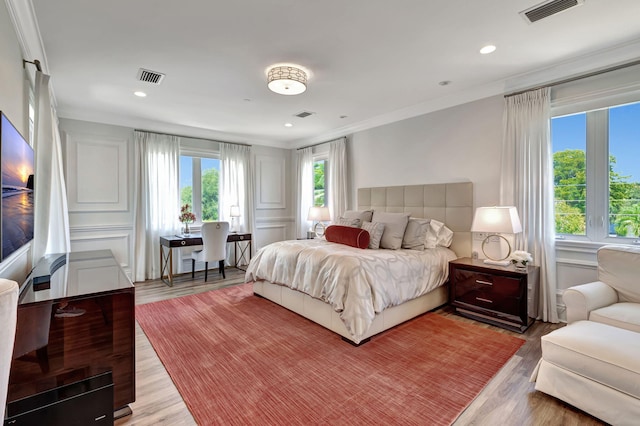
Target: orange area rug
(239, 359)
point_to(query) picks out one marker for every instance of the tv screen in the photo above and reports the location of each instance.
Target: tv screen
(17, 188)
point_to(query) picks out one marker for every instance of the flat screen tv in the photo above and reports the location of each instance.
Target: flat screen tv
(16, 164)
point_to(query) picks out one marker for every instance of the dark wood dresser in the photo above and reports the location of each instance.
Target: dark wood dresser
(76, 322)
(499, 295)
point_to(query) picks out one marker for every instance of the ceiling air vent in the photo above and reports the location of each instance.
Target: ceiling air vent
(548, 8)
(149, 76)
(303, 114)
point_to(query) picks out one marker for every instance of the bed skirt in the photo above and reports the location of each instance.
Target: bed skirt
(323, 314)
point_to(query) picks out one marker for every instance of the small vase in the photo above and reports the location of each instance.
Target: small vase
(186, 231)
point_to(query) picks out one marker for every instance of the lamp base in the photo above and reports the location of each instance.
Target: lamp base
(497, 262)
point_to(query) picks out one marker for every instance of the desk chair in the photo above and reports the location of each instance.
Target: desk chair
(8, 316)
(214, 241)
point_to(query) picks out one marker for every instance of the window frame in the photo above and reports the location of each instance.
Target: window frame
(196, 176)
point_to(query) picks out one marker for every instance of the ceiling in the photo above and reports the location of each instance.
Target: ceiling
(370, 61)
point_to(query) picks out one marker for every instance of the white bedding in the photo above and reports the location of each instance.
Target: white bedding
(356, 283)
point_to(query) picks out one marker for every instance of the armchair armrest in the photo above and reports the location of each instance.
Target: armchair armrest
(580, 300)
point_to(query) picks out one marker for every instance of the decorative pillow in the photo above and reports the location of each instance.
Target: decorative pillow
(394, 226)
(363, 215)
(348, 235)
(415, 234)
(438, 235)
(375, 230)
(356, 223)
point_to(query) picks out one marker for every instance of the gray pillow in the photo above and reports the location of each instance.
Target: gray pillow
(375, 230)
(355, 223)
(394, 227)
(363, 215)
(415, 234)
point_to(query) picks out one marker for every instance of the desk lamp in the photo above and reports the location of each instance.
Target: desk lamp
(496, 221)
(235, 214)
(319, 215)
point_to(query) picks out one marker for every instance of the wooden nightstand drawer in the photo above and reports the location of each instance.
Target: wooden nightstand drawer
(494, 294)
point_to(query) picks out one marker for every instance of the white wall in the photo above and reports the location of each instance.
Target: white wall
(14, 103)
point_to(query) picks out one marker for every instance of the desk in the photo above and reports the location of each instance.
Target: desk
(168, 243)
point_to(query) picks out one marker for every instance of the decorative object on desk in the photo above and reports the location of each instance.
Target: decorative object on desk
(319, 214)
(521, 259)
(235, 214)
(495, 221)
(186, 217)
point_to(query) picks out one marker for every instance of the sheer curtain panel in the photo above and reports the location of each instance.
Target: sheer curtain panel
(304, 180)
(156, 199)
(51, 222)
(527, 183)
(236, 185)
(337, 177)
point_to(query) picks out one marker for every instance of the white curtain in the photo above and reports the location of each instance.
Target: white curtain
(236, 185)
(156, 199)
(51, 222)
(337, 177)
(304, 180)
(527, 183)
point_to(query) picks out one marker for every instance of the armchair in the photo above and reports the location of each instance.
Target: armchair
(615, 298)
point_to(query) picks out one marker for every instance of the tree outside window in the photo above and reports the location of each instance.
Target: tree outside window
(200, 176)
(319, 183)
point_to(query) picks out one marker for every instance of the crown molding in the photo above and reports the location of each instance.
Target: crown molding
(25, 24)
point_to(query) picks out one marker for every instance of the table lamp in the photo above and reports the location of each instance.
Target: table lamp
(235, 213)
(319, 215)
(496, 221)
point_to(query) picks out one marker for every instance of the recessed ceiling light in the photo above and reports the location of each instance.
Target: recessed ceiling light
(488, 49)
(140, 94)
(288, 125)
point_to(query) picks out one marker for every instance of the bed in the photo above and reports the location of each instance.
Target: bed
(279, 274)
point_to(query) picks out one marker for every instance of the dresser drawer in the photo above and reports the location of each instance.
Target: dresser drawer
(492, 292)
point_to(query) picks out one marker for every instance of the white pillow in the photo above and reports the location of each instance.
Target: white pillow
(416, 234)
(355, 223)
(438, 235)
(394, 227)
(375, 230)
(363, 215)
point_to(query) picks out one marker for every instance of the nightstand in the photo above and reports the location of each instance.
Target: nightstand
(497, 295)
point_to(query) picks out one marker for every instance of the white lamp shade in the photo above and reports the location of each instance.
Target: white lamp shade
(235, 211)
(497, 220)
(319, 214)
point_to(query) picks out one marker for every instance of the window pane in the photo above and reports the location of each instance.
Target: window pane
(186, 180)
(319, 183)
(624, 170)
(569, 138)
(210, 188)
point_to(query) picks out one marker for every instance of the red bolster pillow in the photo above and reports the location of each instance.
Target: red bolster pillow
(348, 235)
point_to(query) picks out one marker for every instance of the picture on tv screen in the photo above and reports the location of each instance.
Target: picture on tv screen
(17, 188)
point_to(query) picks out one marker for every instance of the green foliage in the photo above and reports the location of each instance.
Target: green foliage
(210, 190)
(627, 222)
(319, 183)
(569, 220)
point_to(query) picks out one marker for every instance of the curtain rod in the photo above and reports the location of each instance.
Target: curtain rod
(578, 77)
(319, 143)
(34, 62)
(190, 137)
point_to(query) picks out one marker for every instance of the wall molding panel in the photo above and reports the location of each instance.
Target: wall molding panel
(270, 182)
(97, 173)
(117, 239)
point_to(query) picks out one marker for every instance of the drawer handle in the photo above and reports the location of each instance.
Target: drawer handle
(484, 282)
(484, 300)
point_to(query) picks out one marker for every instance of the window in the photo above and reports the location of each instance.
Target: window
(320, 182)
(597, 174)
(199, 186)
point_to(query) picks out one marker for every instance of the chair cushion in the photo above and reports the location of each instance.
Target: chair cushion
(624, 315)
(599, 352)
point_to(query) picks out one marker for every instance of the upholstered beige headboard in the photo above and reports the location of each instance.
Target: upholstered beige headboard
(451, 203)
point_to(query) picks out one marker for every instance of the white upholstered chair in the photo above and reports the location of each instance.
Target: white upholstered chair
(214, 241)
(8, 316)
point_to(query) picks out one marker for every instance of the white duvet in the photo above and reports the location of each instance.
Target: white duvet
(357, 283)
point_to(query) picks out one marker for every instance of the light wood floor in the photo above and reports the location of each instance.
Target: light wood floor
(509, 399)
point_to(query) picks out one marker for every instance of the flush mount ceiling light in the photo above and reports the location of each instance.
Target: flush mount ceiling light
(488, 49)
(287, 80)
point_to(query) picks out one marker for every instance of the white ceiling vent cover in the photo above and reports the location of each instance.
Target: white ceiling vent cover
(149, 76)
(548, 8)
